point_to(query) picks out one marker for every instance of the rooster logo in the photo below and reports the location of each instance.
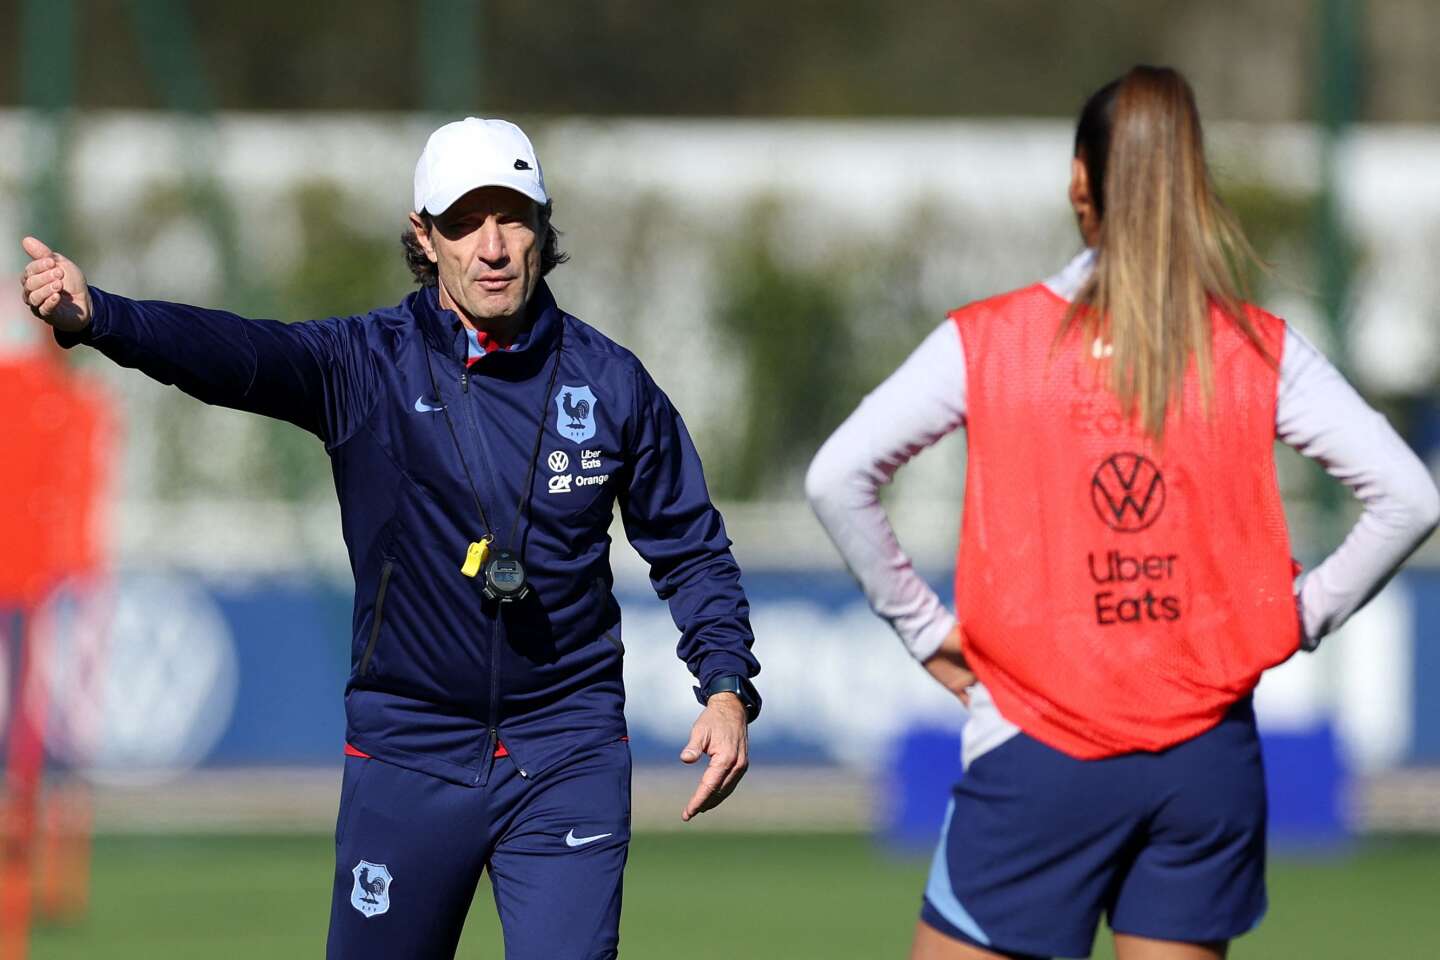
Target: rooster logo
(575, 413)
(374, 887)
(371, 893)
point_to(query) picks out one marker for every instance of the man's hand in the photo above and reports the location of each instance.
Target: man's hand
(948, 666)
(722, 733)
(54, 288)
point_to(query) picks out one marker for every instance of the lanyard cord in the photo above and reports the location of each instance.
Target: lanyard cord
(526, 491)
(527, 495)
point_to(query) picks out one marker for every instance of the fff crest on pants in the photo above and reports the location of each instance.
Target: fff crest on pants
(371, 893)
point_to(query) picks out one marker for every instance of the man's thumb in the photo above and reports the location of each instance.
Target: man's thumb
(34, 248)
(695, 747)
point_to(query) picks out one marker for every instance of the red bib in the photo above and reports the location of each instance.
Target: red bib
(1116, 594)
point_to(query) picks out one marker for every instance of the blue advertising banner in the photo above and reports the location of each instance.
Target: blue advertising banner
(155, 672)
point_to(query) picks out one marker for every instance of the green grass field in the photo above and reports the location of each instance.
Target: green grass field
(696, 896)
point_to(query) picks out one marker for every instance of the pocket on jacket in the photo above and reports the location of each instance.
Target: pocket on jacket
(377, 618)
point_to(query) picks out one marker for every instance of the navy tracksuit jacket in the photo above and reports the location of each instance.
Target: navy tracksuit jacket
(438, 673)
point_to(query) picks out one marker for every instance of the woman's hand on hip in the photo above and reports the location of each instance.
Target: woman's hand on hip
(949, 667)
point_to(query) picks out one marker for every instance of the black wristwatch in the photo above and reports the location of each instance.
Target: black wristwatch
(738, 685)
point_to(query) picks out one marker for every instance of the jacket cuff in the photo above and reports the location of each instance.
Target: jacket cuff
(724, 664)
(923, 643)
(721, 664)
(99, 322)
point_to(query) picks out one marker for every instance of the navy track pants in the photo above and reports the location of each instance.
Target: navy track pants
(410, 848)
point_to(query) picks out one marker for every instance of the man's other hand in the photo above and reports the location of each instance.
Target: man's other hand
(54, 288)
(950, 669)
(722, 733)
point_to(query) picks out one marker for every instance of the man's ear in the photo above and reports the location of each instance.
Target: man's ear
(422, 235)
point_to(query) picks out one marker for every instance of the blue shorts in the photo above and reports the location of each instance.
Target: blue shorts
(409, 850)
(1168, 845)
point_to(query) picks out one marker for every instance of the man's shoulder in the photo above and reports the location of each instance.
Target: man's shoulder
(380, 328)
(399, 315)
(612, 357)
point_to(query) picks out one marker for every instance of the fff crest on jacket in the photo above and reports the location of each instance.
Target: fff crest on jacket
(575, 413)
(371, 893)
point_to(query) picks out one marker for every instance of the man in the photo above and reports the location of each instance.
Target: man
(479, 438)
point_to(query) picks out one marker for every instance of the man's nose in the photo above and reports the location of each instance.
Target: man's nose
(492, 244)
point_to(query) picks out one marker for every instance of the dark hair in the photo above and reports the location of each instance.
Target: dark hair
(426, 274)
(1092, 138)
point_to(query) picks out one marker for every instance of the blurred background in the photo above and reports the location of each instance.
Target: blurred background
(771, 204)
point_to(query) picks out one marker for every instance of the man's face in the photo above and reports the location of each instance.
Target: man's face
(487, 249)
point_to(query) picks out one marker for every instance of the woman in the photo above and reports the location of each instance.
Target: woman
(1124, 575)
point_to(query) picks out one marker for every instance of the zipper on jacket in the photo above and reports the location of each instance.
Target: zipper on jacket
(489, 463)
(494, 739)
(379, 615)
(494, 690)
(488, 456)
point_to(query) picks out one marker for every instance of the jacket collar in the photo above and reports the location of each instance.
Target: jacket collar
(443, 329)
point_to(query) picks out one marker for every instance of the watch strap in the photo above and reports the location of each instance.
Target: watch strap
(736, 684)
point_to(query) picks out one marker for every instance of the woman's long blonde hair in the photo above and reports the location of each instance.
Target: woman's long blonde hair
(1168, 248)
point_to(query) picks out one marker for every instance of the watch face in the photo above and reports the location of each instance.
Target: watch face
(507, 575)
(505, 578)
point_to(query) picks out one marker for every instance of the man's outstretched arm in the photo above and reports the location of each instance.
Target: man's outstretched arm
(310, 374)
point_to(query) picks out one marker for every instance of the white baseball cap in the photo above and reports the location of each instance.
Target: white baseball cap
(471, 153)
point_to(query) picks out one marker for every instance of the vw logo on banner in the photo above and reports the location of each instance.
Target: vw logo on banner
(141, 676)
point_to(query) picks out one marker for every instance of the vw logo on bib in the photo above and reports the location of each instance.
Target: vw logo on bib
(1128, 492)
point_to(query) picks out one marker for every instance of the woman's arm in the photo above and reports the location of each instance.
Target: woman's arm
(1319, 414)
(918, 404)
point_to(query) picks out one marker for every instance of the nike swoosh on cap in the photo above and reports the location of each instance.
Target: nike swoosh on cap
(422, 407)
(573, 841)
